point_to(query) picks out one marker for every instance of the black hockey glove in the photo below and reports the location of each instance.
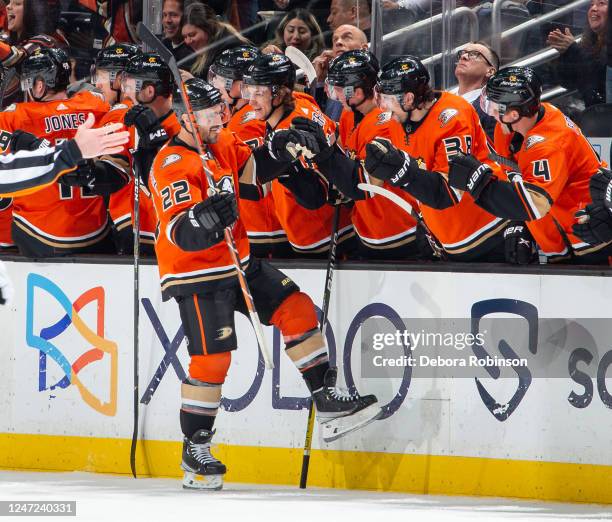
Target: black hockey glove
(519, 245)
(289, 144)
(468, 174)
(216, 212)
(600, 187)
(314, 129)
(152, 134)
(83, 176)
(21, 140)
(596, 225)
(386, 162)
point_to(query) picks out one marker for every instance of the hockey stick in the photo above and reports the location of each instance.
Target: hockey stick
(385, 193)
(136, 230)
(301, 61)
(166, 55)
(435, 245)
(506, 162)
(329, 275)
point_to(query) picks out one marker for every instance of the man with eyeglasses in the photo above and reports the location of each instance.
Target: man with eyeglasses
(476, 63)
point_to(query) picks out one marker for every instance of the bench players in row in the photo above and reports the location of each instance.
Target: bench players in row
(428, 147)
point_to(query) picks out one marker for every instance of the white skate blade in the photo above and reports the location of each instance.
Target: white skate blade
(333, 429)
(194, 481)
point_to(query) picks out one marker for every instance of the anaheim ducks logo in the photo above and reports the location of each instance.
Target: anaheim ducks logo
(512, 78)
(405, 67)
(248, 116)
(383, 118)
(421, 163)
(224, 333)
(246, 54)
(152, 59)
(170, 159)
(533, 140)
(119, 50)
(277, 57)
(447, 115)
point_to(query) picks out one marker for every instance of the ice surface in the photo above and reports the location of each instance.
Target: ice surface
(123, 499)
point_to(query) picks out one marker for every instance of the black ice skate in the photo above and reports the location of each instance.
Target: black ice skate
(339, 412)
(202, 470)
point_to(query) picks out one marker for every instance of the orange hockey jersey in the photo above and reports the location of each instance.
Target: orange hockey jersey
(178, 182)
(451, 126)
(121, 203)
(377, 221)
(58, 216)
(557, 159)
(308, 231)
(259, 217)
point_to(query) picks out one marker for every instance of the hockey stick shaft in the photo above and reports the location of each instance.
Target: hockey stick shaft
(150, 39)
(136, 230)
(436, 246)
(506, 162)
(329, 276)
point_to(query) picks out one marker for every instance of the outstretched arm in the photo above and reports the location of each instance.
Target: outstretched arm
(27, 171)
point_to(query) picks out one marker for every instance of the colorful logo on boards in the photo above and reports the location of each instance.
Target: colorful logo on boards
(98, 347)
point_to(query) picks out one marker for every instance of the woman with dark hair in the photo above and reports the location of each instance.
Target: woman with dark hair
(27, 18)
(299, 29)
(582, 66)
(207, 36)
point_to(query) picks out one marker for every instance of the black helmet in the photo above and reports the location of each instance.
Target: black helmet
(48, 63)
(273, 70)
(148, 68)
(354, 69)
(114, 59)
(517, 88)
(232, 63)
(402, 75)
(201, 95)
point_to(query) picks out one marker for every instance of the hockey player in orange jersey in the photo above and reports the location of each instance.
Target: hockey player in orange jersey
(196, 269)
(554, 163)
(437, 126)
(383, 231)
(64, 218)
(266, 235)
(301, 199)
(121, 71)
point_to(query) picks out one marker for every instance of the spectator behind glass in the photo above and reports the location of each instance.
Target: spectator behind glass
(207, 36)
(476, 63)
(352, 12)
(345, 38)
(582, 66)
(299, 29)
(172, 14)
(26, 18)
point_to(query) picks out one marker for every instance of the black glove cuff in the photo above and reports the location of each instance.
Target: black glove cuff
(481, 183)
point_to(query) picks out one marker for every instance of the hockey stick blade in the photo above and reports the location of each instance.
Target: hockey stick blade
(402, 203)
(300, 60)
